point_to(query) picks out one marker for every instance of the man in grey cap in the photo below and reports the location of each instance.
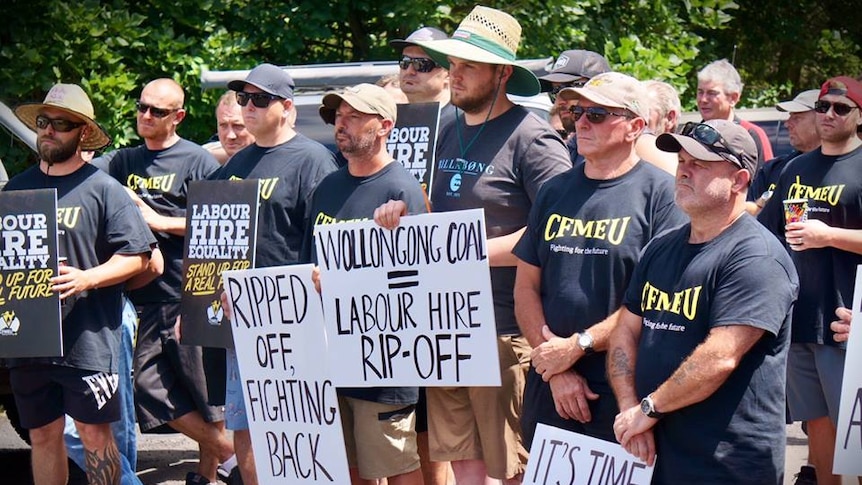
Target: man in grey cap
(289, 167)
(363, 116)
(421, 79)
(701, 342)
(573, 68)
(803, 137)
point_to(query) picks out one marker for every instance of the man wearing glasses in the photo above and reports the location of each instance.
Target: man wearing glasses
(170, 384)
(697, 359)
(584, 234)
(572, 69)
(826, 249)
(289, 166)
(421, 79)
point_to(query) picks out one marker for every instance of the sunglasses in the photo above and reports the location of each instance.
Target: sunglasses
(595, 114)
(259, 100)
(61, 125)
(556, 89)
(840, 109)
(156, 112)
(421, 64)
(711, 138)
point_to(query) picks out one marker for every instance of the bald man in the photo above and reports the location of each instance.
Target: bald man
(170, 387)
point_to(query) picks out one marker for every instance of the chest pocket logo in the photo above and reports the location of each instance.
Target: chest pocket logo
(455, 182)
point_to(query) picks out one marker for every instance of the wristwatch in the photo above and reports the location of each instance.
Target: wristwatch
(648, 408)
(585, 343)
(763, 199)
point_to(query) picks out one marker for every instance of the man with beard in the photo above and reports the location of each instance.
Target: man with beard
(495, 156)
(170, 383)
(826, 249)
(289, 167)
(698, 357)
(107, 244)
(363, 116)
(572, 69)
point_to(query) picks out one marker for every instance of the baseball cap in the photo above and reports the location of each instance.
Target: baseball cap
(803, 102)
(713, 141)
(843, 86)
(420, 35)
(574, 64)
(269, 79)
(365, 98)
(613, 90)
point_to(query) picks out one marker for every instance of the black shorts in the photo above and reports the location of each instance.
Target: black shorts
(170, 379)
(46, 392)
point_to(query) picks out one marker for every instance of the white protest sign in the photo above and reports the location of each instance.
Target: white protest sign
(559, 456)
(411, 306)
(848, 440)
(290, 401)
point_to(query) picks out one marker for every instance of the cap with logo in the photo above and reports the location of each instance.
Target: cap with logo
(572, 65)
(613, 90)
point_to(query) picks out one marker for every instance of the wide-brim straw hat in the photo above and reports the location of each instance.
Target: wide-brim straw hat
(488, 36)
(73, 100)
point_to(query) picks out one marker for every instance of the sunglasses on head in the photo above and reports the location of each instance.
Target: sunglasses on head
(259, 100)
(156, 112)
(595, 114)
(711, 138)
(840, 109)
(421, 64)
(61, 125)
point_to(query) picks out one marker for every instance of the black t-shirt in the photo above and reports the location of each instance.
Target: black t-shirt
(833, 187)
(96, 220)
(586, 236)
(742, 277)
(497, 166)
(341, 197)
(161, 179)
(288, 175)
(767, 175)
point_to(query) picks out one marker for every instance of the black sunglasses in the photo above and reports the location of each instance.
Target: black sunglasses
(710, 137)
(156, 112)
(259, 100)
(840, 109)
(556, 89)
(421, 64)
(595, 114)
(61, 125)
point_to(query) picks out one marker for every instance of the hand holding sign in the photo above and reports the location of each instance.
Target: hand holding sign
(841, 327)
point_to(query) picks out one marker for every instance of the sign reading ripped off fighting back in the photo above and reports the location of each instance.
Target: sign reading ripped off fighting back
(290, 401)
(560, 456)
(221, 223)
(848, 439)
(410, 306)
(29, 308)
(413, 141)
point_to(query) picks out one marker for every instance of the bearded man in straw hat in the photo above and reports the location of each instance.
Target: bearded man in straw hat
(494, 155)
(105, 244)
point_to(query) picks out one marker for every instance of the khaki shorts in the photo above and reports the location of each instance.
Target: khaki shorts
(380, 439)
(483, 423)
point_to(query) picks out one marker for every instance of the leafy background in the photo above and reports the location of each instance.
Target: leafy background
(112, 48)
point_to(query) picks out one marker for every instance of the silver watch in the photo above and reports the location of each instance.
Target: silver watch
(585, 343)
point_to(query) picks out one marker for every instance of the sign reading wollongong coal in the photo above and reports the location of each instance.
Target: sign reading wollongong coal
(29, 308)
(221, 226)
(411, 306)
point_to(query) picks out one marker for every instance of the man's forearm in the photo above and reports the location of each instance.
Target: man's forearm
(622, 356)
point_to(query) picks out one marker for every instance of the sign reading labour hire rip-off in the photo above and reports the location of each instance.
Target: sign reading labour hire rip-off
(410, 306)
(290, 400)
(221, 227)
(29, 308)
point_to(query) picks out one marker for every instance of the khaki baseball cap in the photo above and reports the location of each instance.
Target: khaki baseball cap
(613, 90)
(365, 98)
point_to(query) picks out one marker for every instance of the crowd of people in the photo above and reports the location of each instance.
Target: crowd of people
(647, 288)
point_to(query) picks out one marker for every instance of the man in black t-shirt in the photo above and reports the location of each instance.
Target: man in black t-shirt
(105, 241)
(826, 251)
(583, 238)
(698, 357)
(170, 383)
(363, 116)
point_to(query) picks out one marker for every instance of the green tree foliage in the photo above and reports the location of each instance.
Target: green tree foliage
(113, 47)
